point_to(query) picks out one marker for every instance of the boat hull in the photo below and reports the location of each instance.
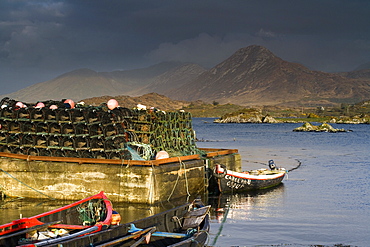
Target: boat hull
(69, 217)
(225, 181)
(165, 222)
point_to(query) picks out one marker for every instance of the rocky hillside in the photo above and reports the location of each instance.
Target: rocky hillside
(158, 101)
(357, 74)
(173, 78)
(252, 76)
(85, 83)
(255, 76)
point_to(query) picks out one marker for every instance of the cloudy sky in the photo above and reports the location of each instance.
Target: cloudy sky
(40, 40)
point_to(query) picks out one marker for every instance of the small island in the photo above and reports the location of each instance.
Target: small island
(308, 127)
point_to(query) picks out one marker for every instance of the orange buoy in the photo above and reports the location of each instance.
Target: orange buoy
(70, 102)
(162, 155)
(112, 104)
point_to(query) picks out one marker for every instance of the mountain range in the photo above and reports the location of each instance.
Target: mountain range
(251, 76)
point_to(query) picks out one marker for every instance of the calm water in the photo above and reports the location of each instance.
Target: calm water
(324, 201)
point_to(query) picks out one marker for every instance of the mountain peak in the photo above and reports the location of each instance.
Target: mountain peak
(254, 52)
(253, 49)
(248, 60)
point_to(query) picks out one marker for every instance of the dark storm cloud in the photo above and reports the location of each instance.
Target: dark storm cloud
(40, 40)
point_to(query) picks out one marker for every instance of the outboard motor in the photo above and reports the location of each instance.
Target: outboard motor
(272, 165)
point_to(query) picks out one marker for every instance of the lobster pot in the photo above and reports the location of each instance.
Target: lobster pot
(8, 113)
(50, 115)
(28, 140)
(28, 127)
(53, 141)
(97, 144)
(55, 152)
(114, 155)
(14, 127)
(33, 151)
(64, 116)
(71, 153)
(115, 143)
(93, 132)
(81, 129)
(18, 150)
(78, 116)
(100, 155)
(54, 128)
(23, 114)
(81, 142)
(67, 142)
(106, 117)
(85, 154)
(3, 138)
(109, 130)
(41, 141)
(67, 129)
(92, 116)
(14, 139)
(37, 114)
(5, 148)
(42, 128)
(4, 125)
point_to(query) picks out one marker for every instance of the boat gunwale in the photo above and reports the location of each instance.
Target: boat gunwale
(256, 177)
(34, 220)
(162, 215)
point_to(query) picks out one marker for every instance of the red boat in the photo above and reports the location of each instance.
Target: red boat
(80, 218)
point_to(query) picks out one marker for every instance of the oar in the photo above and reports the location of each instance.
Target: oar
(133, 235)
(143, 238)
(133, 228)
(27, 230)
(67, 237)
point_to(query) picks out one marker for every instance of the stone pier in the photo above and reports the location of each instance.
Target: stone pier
(127, 181)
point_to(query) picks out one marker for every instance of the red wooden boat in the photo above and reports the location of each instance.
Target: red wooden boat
(86, 216)
(186, 226)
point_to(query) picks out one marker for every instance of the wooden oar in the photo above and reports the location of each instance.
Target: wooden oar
(67, 237)
(27, 230)
(127, 237)
(145, 237)
(133, 228)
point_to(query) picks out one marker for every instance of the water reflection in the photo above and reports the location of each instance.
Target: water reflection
(248, 206)
(262, 201)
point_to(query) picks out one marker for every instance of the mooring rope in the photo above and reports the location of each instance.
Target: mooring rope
(222, 224)
(177, 180)
(186, 178)
(296, 167)
(173, 189)
(26, 184)
(2, 192)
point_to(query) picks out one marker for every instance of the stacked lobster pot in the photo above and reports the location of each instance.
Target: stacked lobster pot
(60, 130)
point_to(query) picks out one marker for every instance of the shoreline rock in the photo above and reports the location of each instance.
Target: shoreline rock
(242, 118)
(308, 127)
